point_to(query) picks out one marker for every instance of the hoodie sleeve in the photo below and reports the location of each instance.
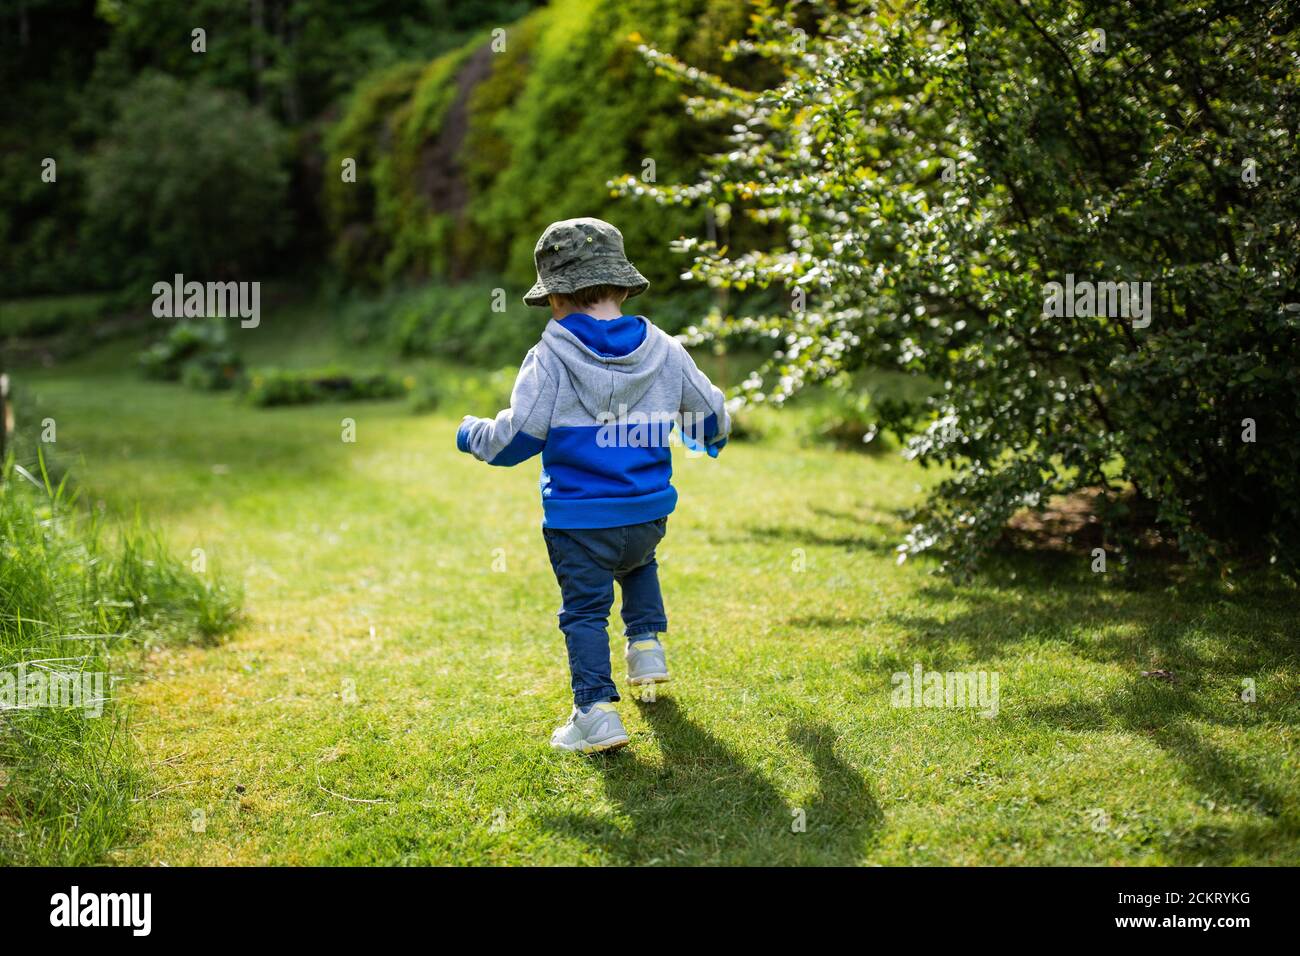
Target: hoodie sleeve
(518, 432)
(705, 422)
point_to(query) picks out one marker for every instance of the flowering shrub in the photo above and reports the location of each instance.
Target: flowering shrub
(1078, 219)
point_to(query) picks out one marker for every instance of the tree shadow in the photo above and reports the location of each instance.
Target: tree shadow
(705, 805)
(1105, 624)
(879, 539)
(1209, 641)
(1166, 716)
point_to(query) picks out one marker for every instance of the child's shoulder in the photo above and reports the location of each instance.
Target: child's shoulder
(539, 356)
(653, 330)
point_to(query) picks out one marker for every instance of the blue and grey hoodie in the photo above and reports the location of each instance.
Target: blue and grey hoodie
(599, 399)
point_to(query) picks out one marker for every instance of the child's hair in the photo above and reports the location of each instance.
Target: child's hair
(588, 296)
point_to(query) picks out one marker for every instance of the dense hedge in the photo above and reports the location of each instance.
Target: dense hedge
(463, 162)
(364, 136)
(938, 205)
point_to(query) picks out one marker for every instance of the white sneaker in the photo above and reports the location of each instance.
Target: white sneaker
(598, 729)
(645, 662)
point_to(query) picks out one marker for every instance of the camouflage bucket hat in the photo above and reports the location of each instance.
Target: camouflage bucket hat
(577, 253)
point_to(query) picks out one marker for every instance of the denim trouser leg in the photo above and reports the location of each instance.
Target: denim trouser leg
(586, 564)
(643, 602)
(586, 594)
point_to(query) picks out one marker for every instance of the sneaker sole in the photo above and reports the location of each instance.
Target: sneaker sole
(649, 679)
(601, 747)
(607, 746)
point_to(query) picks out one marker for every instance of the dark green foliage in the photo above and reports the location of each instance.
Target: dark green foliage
(460, 321)
(363, 134)
(213, 371)
(935, 169)
(188, 180)
(49, 315)
(490, 146)
(195, 353)
(47, 52)
(62, 62)
(480, 394)
(295, 57)
(269, 387)
(446, 321)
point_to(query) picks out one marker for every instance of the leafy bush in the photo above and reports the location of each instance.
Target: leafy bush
(447, 321)
(746, 427)
(362, 236)
(483, 394)
(189, 180)
(213, 371)
(70, 594)
(269, 387)
(467, 160)
(459, 321)
(930, 195)
(195, 354)
(847, 419)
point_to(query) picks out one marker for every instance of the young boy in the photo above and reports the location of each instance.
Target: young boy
(598, 397)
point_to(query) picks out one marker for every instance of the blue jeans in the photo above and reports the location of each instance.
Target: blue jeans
(587, 562)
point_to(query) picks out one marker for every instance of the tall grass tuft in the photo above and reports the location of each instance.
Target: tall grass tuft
(73, 598)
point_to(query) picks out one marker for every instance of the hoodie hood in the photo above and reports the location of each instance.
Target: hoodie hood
(607, 337)
(604, 382)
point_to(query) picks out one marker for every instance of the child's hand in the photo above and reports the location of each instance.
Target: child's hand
(462, 433)
(702, 448)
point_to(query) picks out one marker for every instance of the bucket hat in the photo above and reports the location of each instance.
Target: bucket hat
(575, 253)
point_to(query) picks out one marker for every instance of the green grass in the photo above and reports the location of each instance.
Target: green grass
(74, 601)
(389, 696)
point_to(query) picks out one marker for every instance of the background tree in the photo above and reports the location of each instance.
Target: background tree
(188, 179)
(934, 169)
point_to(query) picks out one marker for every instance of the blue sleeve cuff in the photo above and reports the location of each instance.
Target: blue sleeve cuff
(711, 449)
(462, 437)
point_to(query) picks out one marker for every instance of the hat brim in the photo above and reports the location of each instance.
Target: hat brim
(584, 274)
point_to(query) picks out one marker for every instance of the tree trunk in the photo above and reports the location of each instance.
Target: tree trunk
(256, 35)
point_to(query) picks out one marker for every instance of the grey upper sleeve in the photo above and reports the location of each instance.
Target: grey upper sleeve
(518, 432)
(704, 410)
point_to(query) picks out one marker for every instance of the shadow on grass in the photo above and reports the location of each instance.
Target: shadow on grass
(704, 804)
(1024, 598)
(875, 531)
(1168, 717)
(1211, 640)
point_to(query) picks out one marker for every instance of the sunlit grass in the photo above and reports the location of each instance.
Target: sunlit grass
(76, 599)
(389, 696)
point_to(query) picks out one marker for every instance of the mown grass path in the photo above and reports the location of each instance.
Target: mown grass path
(389, 697)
